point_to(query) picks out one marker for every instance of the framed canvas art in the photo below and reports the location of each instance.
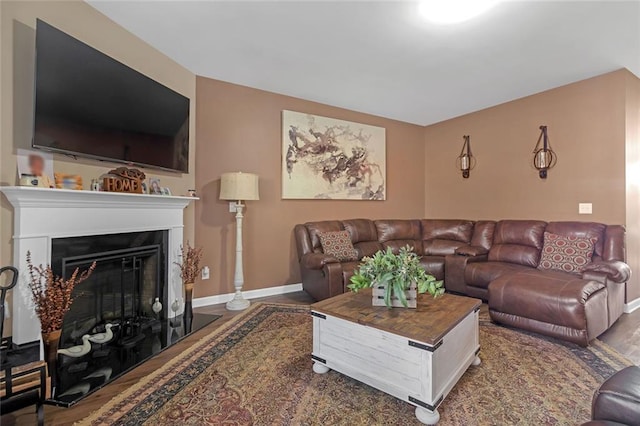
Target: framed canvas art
(327, 158)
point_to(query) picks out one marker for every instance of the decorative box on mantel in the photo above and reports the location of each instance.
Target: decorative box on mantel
(42, 214)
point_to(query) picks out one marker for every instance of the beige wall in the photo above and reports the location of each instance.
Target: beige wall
(17, 41)
(586, 125)
(586, 129)
(239, 128)
(633, 181)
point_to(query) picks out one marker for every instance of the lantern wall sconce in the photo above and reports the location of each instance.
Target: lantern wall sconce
(544, 157)
(466, 161)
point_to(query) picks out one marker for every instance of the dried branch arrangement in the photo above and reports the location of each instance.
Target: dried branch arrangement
(52, 295)
(190, 266)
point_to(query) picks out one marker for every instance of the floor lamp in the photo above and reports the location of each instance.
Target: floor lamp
(237, 187)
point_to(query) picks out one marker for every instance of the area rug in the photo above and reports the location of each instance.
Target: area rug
(256, 370)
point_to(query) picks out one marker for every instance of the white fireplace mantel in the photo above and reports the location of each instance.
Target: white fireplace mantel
(42, 214)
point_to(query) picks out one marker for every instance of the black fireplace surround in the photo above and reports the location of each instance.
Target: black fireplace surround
(112, 325)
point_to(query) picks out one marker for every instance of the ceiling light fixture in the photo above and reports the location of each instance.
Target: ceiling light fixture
(453, 11)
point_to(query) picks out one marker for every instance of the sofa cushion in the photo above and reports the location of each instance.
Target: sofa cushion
(483, 231)
(454, 230)
(443, 237)
(480, 274)
(367, 248)
(434, 265)
(546, 296)
(581, 230)
(364, 236)
(399, 233)
(441, 247)
(518, 241)
(338, 244)
(361, 230)
(567, 254)
(315, 228)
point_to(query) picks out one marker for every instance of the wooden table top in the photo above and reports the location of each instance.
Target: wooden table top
(428, 323)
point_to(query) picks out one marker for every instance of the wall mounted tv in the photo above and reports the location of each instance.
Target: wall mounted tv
(88, 104)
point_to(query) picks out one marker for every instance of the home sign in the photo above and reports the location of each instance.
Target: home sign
(124, 179)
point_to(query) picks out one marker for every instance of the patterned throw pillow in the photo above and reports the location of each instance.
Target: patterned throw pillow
(338, 244)
(567, 254)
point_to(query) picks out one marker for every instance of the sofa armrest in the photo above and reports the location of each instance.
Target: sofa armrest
(317, 260)
(615, 270)
(472, 251)
(618, 398)
(454, 266)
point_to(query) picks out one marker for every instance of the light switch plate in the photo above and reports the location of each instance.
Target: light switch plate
(205, 273)
(232, 206)
(585, 208)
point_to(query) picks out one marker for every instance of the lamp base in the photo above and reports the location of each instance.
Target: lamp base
(238, 303)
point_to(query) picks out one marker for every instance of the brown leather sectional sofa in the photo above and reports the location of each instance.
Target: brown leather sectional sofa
(494, 261)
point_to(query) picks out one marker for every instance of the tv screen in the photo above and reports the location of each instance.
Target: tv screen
(90, 105)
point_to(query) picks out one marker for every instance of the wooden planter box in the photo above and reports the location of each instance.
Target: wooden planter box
(411, 294)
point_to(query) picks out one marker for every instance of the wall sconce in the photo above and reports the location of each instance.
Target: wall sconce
(543, 158)
(466, 161)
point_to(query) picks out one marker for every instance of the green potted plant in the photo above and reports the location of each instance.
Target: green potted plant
(396, 278)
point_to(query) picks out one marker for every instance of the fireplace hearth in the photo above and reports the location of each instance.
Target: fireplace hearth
(133, 342)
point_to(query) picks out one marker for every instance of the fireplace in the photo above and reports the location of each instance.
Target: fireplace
(135, 240)
(42, 216)
(118, 315)
(129, 280)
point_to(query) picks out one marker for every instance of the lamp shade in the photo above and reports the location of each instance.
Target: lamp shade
(239, 186)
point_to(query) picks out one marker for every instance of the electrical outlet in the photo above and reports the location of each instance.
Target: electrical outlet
(585, 208)
(205, 273)
(232, 207)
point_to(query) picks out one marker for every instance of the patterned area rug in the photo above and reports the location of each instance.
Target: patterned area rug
(256, 370)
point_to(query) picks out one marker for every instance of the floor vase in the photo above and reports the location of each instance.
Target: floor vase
(188, 306)
(50, 343)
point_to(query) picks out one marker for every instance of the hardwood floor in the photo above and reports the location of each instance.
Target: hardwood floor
(67, 416)
(624, 336)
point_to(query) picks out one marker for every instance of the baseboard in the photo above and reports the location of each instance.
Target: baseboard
(250, 294)
(632, 306)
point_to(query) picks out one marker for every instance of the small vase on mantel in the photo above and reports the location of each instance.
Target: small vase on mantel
(50, 343)
(188, 307)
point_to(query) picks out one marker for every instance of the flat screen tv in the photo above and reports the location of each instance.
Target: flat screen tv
(90, 105)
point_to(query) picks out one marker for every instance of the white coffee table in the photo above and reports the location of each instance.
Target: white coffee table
(416, 355)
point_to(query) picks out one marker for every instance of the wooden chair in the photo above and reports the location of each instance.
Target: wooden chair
(26, 384)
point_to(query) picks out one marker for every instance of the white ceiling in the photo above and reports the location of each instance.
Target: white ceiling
(381, 58)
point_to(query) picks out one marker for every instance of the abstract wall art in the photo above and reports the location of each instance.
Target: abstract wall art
(327, 158)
